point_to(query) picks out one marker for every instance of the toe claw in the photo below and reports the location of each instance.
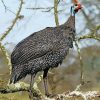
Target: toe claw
(50, 95)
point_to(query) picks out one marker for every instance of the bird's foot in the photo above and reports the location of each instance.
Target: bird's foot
(50, 95)
(31, 95)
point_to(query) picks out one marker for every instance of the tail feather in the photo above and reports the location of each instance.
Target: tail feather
(20, 71)
(17, 73)
(14, 78)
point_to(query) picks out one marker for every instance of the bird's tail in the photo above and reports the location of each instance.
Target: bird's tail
(14, 77)
(17, 74)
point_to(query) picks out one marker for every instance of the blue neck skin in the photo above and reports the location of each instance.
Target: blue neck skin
(72, 11)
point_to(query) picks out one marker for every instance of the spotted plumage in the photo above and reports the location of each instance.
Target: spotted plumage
(41, 51)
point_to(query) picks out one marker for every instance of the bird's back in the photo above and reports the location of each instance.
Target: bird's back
(36, 45)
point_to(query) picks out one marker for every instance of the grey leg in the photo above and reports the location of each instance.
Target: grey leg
(45, 82)
(31, 86)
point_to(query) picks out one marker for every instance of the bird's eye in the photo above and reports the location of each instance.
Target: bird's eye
(75, 4)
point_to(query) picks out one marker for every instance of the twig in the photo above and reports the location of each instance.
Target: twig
(6, 8)
(56, 12)
(81, 62)
(48, 9)
(4, 5)
(6, 55)
(92, 35)
(14, 21)
(89, 36)
(95, 30)
(10, 11)
(77, 95)
(20, 87)
(85, 95)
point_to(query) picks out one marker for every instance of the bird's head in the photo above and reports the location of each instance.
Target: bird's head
(75, 8)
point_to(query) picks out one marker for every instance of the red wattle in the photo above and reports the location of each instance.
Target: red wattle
(79, 6)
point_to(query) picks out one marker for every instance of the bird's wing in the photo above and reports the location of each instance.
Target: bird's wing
(34, 46)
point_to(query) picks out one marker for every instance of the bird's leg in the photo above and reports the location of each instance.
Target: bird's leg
(45, 82)
(31, 86)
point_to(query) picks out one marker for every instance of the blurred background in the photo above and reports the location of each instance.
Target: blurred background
(35, 16)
